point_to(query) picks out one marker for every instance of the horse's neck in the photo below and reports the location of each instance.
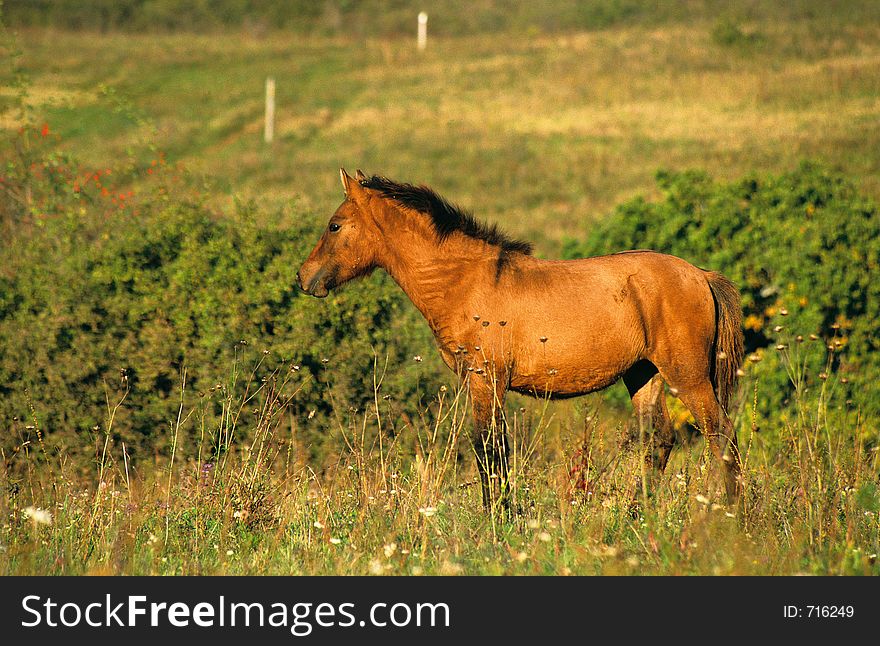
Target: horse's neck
(437, 278)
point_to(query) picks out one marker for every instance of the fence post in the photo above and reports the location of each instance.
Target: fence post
(269, 126)
(423, 30)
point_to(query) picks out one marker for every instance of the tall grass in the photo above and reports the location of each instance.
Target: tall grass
(402, 497)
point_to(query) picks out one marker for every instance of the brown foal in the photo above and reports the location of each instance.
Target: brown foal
(504, 320)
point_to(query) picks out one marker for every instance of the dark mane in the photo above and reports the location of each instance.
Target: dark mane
(447, 217)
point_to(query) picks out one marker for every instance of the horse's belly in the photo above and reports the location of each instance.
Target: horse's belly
(567, 381)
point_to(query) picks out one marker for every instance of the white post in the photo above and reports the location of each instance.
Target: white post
(269, 126)
(423, 31)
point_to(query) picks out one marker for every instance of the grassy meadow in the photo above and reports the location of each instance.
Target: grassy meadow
(541, 131)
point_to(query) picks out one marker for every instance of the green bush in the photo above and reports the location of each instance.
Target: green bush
(397, 17)
(728, 33)
(103, 292)
(805, 244)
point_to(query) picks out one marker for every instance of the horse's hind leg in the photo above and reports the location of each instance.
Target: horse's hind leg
(645, 388)
(716, 427)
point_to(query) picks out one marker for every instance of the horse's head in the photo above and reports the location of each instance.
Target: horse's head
(347, 248)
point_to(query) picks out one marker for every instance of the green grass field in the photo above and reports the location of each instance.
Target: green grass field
(542, 132)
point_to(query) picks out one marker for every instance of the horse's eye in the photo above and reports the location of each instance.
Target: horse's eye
(334, 227)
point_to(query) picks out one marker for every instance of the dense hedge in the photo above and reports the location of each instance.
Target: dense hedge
(103, 291)
(365, 17)
(805, 243)
(394, 17)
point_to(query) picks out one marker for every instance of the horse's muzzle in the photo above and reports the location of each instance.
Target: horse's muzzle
(316, 285)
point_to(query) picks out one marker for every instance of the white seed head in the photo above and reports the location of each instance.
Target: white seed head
(38, 515)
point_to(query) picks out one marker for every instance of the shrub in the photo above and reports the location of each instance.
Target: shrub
(804, 243)
(102, 294)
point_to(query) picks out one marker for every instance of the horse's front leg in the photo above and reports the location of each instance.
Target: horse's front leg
(490, 442)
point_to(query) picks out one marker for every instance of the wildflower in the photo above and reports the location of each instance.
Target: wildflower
(44, 132)
(521, 557)
(702, 499)
(427, 512)
(389, 550)
(230, 552)
(38, 516)
(318, 524)
(335, 541)
(376, 567)
(544, 536)
(417, 358)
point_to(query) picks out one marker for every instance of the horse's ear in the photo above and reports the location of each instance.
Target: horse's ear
(359, 175)
(346, 181)
(353, 189)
